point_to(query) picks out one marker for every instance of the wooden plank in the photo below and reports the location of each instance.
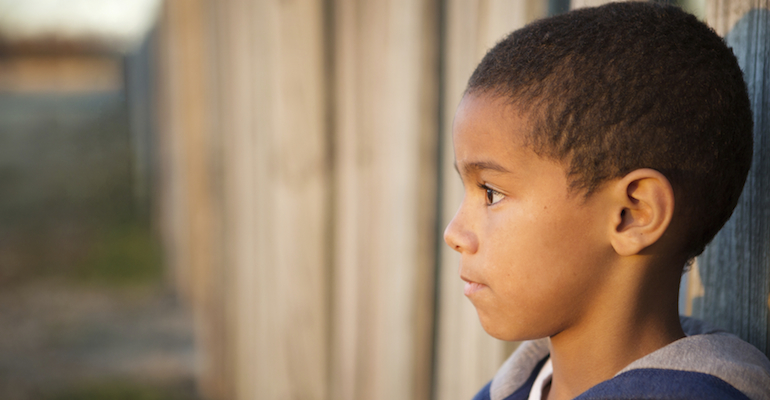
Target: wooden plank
(466, 356)
(264, 326)
(170, 193)
(247, 200)
(238, 169)
(189, 209)
(384, 136)
(276, 191)
(735, 268)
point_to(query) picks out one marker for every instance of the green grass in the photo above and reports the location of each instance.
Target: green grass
(114, 390)
(124, 254)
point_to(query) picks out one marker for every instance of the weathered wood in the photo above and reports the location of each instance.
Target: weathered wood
(385, 63)
(276, 191)
(466, 356)
(255, 83)
(187, 197)
(735, 268)
(248, 191)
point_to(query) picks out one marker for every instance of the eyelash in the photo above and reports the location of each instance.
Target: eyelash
(490, 193)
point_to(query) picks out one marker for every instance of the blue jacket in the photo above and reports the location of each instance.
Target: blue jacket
(707, 364)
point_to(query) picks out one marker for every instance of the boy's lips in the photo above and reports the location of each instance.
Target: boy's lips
(472, 287)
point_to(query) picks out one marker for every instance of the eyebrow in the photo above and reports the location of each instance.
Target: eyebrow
(479, 166)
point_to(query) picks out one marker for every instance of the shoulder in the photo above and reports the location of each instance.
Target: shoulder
(712, 360)
(483, 394)
(707, 364)
(666, 384)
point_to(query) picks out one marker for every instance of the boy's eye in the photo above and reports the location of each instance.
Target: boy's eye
(493, 196)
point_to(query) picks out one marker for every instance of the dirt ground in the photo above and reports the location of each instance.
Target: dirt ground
(60, 340)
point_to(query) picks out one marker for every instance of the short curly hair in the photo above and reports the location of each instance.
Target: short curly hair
(627, 86)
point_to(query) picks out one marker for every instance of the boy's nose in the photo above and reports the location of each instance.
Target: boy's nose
(458, 237)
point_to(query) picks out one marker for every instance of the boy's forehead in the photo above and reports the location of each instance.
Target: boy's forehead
(482, 112)
(493, 135)
(485, 105)
(485, 137)
(482, 120)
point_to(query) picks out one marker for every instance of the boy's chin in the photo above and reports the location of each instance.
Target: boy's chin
(501, 332)
(508, 332)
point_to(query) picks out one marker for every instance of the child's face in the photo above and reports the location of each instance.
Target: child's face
(532, 253)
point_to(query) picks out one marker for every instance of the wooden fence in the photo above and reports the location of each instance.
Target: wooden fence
(306, 179)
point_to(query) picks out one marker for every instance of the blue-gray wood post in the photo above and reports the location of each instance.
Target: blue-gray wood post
(735, 268)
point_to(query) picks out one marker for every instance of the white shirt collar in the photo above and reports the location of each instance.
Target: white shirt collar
(542, 380)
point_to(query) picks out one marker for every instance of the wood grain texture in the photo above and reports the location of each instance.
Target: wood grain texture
(279, 189)
(189, 206)
(466, 356)
(235, 104)
(385, 63)
(735, 268)
(287, 230)
(247, 175)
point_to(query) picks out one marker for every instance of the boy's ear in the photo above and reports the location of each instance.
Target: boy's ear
(644, 207)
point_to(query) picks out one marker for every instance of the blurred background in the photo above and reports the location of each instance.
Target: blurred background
(244, 199)
(86, 308)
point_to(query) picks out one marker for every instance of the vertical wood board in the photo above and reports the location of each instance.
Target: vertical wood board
(385, 175)
(189, 198)
(735, 267)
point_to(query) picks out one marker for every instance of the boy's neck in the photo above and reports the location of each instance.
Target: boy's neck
(630, 320)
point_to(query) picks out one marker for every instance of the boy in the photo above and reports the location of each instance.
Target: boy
(600, 150)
